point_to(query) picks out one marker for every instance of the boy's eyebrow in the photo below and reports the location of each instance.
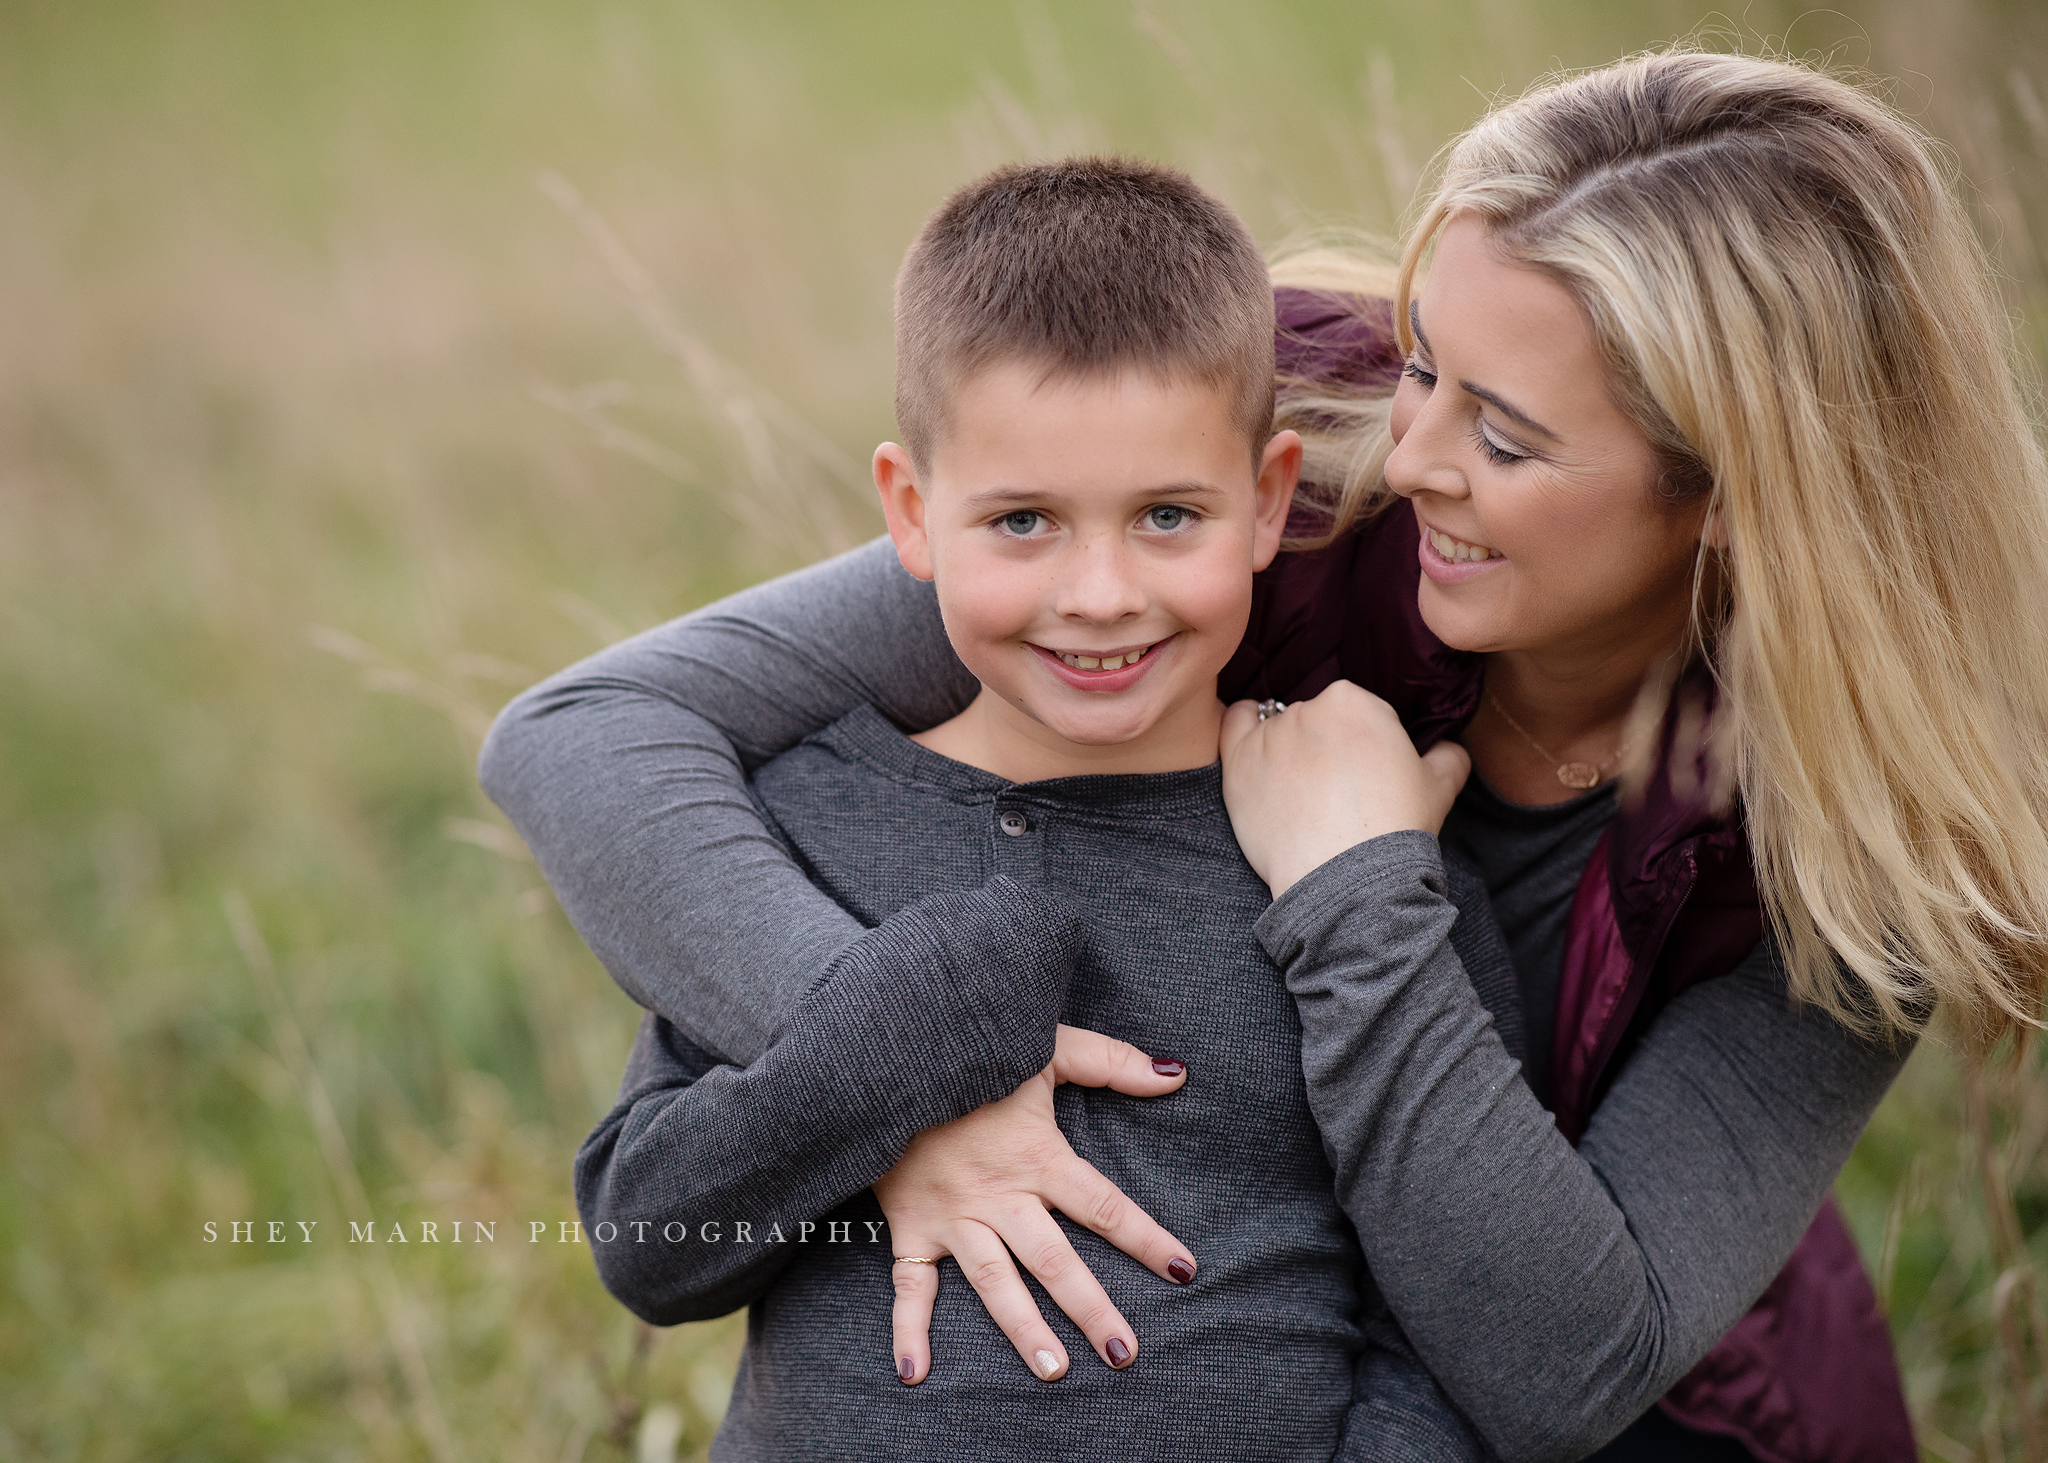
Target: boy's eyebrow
(1497, 402)
(1027, 497)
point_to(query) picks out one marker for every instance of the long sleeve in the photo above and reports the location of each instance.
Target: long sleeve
(972, 983)
(1399, 1412)
(626, 775)
(1556, 1293)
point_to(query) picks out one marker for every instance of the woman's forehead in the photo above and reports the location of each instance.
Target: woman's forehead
(1501, 329)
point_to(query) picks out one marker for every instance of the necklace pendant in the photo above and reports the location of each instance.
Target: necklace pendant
(1581, 775)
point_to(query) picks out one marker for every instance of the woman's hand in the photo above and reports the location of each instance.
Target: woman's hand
(974, 1186)
(1325, 775)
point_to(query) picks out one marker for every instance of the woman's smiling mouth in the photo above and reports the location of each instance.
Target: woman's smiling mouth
(1448, 560)
(1456, 550)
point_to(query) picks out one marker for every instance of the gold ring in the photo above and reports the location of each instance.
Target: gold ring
(916, 1260)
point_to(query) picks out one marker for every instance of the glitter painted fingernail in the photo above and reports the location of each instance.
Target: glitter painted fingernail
(1048, 1364)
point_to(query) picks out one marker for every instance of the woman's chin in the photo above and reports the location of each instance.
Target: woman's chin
(1459, 625)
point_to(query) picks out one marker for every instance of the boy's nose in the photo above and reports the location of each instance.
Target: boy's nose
(1098, 585)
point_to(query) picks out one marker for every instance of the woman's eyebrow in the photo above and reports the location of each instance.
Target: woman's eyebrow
(1513, 413)
(1505, 408)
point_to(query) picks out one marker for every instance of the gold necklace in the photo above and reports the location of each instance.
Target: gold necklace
(1579, 775)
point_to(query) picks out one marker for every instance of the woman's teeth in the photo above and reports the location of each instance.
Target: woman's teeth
(1101, 662)
(1457, 550)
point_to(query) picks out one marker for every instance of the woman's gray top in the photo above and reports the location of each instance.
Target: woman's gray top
(1555, 1292)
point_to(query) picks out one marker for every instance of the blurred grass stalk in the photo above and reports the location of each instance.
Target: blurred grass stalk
(2016, 1303)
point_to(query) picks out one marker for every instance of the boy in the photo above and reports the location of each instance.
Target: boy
(1085, 393)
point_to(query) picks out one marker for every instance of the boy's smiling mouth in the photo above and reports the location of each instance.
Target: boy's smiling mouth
(1097, 660)
(1097, 671)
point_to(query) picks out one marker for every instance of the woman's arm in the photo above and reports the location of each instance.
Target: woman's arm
(1556, 1293)
(1399, 1412)
(626, 775)
(971, 982)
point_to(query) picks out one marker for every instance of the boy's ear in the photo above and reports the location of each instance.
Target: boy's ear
(903, 506)
(1279, 471)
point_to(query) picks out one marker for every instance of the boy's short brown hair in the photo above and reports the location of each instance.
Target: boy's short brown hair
(1089, 265)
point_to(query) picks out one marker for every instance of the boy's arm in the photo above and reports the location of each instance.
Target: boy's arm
(626, 775)
(970, 982)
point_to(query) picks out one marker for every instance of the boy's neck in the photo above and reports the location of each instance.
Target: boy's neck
(996, 737)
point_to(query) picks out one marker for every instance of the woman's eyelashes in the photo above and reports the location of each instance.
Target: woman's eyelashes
(1493, 452)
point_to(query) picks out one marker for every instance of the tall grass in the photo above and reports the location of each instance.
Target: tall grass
(358, 365)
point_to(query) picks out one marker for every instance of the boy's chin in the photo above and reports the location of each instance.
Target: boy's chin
(1135, 728)
(1094, 733)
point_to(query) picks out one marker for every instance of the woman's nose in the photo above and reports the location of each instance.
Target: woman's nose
(1424, 457)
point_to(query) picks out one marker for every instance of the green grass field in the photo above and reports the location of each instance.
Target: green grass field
(333, 410)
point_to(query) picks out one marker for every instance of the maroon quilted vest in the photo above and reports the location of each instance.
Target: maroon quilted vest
(1668, 899)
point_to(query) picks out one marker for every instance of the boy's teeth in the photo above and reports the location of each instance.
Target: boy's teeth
(1102, 662)
(1457, 550)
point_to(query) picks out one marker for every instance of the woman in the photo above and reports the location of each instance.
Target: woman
(1714, 473)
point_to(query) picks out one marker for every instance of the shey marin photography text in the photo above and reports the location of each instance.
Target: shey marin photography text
(544, 1231)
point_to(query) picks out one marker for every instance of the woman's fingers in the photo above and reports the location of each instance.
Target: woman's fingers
(1090, 1059)
(1080, 1192)
(1036, 1239)
(989, 1269)
(1239, 722)
(917, 1289)
(1445, 766)
(1322, 777)
(986, 1182)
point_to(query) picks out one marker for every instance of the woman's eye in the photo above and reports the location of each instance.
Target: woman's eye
(1021, 523)
(1495, 453)
(1168, 518)
(1414, 370)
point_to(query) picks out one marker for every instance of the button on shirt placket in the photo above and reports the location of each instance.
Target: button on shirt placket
(1019, 842)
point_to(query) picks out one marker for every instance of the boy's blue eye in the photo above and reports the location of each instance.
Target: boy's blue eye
(1021, 522)
(1167, 518)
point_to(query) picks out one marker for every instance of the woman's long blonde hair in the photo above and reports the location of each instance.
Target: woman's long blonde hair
(1796, 312)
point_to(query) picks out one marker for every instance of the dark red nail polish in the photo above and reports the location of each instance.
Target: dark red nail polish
(1119, 1354)
(906, 1369)
(1181, 1271)
(1168, 1066)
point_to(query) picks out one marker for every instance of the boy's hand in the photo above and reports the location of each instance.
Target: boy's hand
(1326, 775)
(980, 1188)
